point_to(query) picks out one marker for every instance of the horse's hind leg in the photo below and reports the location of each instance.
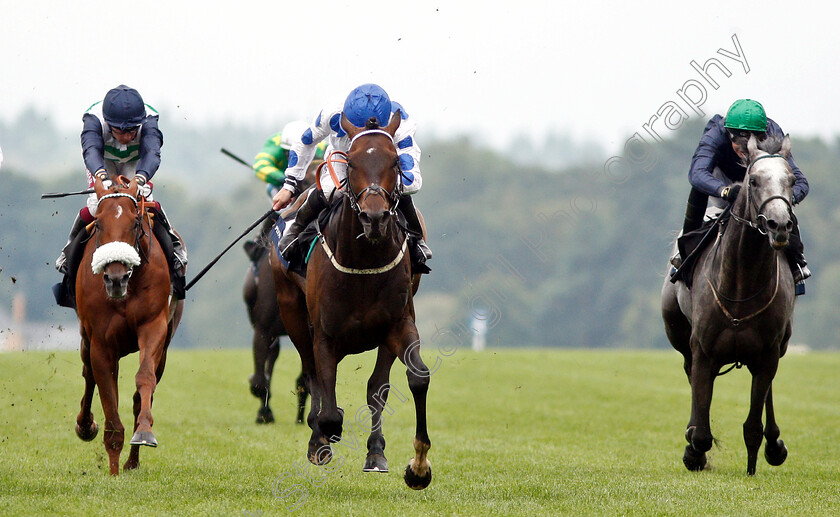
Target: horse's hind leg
(302, 394)
(762, 376)
(775, 451)
(699, 433)
(106, 372)
(86, 427)
(260, 379)
(378, 388)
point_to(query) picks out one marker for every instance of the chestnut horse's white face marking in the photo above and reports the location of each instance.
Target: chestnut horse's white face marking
(119, 212)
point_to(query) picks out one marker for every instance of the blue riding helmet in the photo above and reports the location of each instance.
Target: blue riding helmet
(123, 107)
(366, 101)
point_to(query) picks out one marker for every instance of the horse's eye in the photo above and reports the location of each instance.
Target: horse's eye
(753, 182)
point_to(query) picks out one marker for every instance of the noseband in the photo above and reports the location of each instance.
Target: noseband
(761, 224)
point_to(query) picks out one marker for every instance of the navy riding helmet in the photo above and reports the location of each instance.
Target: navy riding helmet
(123, 107)
(365, 102)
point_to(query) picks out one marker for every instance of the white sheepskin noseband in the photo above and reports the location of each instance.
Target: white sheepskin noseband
(116, 251)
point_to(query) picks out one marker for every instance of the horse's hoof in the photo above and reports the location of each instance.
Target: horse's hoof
(321, 456)
(694, 460)
(414, 481)
(131, 465)
(375, 463)
(144, 438)
(265, 416)
(775, 455)
(89, 433)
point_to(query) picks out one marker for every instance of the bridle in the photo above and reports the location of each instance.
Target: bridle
(392, 197)
(761, 220)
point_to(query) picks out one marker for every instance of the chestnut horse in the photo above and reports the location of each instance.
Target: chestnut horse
(358, 296)
(740, 307)
(124, 305)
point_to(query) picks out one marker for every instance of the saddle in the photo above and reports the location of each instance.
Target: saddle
(692, 244)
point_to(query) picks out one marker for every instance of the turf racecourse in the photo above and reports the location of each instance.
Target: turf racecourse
(513, 433)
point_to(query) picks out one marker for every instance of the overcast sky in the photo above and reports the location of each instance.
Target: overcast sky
(494, 69)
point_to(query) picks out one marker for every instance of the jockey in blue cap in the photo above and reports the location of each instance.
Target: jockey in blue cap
(120, 137)
(368, 101)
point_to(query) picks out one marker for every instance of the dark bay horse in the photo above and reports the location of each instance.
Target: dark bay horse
(358, 296)
(740, 307)
(264, 314)
(124, 306)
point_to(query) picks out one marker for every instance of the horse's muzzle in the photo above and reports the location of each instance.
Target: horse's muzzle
(375, 224)
(116, 276)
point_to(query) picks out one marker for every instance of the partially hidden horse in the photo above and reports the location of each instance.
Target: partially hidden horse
(358, 296)
(124, 305)
(740, 307)
(264, 314)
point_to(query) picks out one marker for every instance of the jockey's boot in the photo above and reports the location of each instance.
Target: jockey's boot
(307, 213)
(61, 261)
(421, 251)
(695, 209)
(796, 257)
(178, 261)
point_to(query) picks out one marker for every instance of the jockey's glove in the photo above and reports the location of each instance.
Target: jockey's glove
(143, 188)
(102, 174)
(730, 193)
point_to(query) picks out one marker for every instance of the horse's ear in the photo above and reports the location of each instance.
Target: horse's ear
(786, 146)
(349, 128)
(132, 187)
(394, 123)
(98, 187)
(752, 146)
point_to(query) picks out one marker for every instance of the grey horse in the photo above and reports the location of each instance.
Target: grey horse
(740, 307)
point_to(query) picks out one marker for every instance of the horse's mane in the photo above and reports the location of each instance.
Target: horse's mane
(372, 123)
(771, 144)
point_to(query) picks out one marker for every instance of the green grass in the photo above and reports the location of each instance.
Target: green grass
(513, 433)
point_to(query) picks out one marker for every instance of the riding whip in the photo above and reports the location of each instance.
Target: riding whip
(65, 194)
(213, 262)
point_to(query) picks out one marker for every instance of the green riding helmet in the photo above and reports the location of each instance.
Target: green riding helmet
(746, 114)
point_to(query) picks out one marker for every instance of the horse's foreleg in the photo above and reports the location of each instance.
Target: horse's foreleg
(699, 433)
(151, 340)
(86, 427)
(134, 455)
(106, 373)
(418, 473)
(775, 451)
(377, 396)
(330, 419)
(762, 376)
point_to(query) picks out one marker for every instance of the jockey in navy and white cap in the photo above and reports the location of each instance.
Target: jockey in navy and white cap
(363, 103)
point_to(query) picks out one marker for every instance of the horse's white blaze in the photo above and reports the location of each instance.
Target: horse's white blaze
(371, 150)
(119, 212)
(116, 251)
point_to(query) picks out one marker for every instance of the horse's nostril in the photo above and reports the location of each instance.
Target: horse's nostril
(771, 224)
(789, 226)
(364, 217)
